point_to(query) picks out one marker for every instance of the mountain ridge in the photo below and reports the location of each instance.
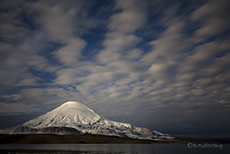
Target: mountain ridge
(75, 118)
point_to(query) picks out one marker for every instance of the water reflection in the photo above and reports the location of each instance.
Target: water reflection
(57, 152)
(79, 148)
(107, 149)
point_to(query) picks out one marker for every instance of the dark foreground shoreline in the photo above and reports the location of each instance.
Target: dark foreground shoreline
(95, 139)
(65, 139)
(15, 151)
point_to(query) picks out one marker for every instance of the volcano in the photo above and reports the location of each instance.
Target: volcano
(74, 118)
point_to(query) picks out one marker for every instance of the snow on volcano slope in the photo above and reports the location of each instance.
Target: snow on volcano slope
(76, 118)
(69, 114)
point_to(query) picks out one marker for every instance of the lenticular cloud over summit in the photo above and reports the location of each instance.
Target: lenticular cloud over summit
(77, 119)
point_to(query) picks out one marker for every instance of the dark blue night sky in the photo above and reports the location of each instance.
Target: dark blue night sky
(158, 64)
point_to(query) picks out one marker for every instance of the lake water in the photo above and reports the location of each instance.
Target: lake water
(118, 148)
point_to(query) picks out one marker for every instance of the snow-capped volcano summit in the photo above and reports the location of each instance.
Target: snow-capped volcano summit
(68, 114)
(76, 118)
(78, 111)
